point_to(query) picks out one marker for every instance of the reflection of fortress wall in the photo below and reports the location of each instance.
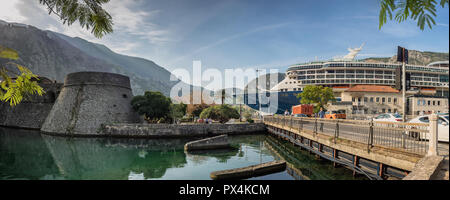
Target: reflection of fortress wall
(31, 113)
(89, 99)
(103, 158)
(23, 154)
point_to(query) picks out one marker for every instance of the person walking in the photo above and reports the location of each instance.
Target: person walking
(286, 113)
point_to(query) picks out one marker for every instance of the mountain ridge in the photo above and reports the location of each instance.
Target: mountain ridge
(54, 55)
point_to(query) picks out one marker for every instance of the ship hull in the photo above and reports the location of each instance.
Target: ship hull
(273, 102)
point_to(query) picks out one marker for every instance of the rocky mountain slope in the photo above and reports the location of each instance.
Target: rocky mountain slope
(415, 58)
(54, 55)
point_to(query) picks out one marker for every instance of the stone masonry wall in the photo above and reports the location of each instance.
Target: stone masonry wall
(30, 113)
(177, 130)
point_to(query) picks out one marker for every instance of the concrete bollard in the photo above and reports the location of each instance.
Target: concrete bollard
(433, 139)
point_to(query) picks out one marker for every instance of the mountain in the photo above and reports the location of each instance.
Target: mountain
(55, 55)
(415, 57)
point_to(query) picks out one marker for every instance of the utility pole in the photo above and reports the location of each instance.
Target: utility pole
(257, 92)
(404, 85)
(402, 56)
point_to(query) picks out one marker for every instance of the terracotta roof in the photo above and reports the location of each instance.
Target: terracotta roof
(372, 88)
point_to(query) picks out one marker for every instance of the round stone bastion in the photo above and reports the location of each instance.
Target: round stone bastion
(88, 100)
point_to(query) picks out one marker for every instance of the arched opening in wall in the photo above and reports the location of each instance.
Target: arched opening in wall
(51, 97)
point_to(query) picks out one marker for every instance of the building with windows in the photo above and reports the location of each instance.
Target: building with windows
(423, 104)
(369, 86)
(363, 87)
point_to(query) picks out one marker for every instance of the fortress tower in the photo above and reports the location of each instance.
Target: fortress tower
(88, 100)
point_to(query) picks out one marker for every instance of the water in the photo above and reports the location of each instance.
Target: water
(29, 155)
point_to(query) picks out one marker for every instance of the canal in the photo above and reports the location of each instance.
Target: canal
(29, 155)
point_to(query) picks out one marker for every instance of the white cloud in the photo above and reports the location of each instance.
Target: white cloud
(400, 30)
(442, 24)
(136, 22)
(229, 38)
(130, 21)
(9, 11)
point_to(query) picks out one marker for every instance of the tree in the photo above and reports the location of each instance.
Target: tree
(196, 110)
(89, 13)
(424, 11)
(221, 113)
(22, 86)
(317, 95)
(153, 105)
(178, 111)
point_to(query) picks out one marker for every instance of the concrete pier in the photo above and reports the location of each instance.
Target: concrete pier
(218, 142)
(250, 171)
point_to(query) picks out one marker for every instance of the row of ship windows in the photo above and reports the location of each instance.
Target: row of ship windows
(342, 76)
(364, 72)
(341, 72)
(388, 82)
(428, 69)
(437, 79)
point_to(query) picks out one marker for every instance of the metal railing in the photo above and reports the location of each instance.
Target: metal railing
(409, 137)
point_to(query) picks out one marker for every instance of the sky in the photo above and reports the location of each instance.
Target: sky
(226, 34)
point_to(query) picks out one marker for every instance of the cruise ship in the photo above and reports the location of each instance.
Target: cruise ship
(341, 74)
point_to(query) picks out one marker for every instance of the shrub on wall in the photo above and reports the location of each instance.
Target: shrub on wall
(221, 113)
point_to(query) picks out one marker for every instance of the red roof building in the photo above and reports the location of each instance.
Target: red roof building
(372, 88)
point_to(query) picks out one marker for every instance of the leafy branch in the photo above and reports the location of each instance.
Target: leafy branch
(422, 11)
(14, 90)
(89, 13)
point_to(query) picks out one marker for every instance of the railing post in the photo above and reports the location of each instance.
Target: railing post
(370, 139)
(433, 140)
(315, 125)
(301, 124)
(290, 126)
(336, 131)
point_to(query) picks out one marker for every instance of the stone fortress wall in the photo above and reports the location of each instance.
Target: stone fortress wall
(88, 100)
(31, 112)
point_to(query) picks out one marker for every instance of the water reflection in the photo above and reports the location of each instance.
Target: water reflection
(26, 154)
(102, 158)
(303, 166)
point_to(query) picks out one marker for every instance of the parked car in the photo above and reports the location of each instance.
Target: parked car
(335, 115)
(443, 126)
(300, 115)
(388, 117)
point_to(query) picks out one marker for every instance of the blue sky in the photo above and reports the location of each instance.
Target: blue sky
(244, 33)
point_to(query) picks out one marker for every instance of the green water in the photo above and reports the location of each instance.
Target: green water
(29, 155)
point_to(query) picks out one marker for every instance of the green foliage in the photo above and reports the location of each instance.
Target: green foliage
(221, 113)
(153, 105)
(198, 109)
(422, 11)
(89, 13)
(316, 95)
(14, 90)
(8, 53)
(178, 111)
